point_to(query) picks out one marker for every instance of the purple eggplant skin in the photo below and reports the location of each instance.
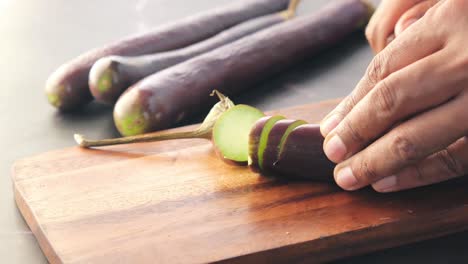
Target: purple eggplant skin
(302, 156)
(254, 141)
(271, 153)
(112, 75)
(164, 99)
(67, 87)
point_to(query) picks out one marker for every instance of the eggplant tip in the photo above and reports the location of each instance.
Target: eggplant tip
(80, 140)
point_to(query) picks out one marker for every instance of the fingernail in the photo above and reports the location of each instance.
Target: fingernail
(335, 149)
(345, 179)
(386, 184)
(329, 124)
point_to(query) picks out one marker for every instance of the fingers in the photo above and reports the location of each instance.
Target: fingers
(382, 23)
(413, 15)
(405, 145)
(426, 97)
(444, 165)
(399, 54)
(399, 96)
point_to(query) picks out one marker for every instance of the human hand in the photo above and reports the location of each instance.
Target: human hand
(391, 18)
(406, 123)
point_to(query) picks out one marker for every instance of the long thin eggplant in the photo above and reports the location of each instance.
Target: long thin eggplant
(168, 97)
(67, 87)
(112, 75)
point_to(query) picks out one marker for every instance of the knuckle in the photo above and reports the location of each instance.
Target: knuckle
(377, 69)
(450, 163)
(453, 9)
(386, 96)
(346, 106)
(353, 132)
(350, 102)
(404, 149)
(366, 172)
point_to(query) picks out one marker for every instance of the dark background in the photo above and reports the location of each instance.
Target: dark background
(39, 35)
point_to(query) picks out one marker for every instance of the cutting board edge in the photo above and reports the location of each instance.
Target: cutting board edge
(394, 240)
(31, 220)
(278, 254)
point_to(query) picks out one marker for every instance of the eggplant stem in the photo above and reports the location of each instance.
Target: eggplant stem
(291, 11)
(203, 131)
(86, 143)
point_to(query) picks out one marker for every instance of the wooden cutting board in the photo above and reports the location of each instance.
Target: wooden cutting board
(176, 202)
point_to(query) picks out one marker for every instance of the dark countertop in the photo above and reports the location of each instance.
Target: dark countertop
(38, 35)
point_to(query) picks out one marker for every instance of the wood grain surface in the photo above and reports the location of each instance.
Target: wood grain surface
(176, 202)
